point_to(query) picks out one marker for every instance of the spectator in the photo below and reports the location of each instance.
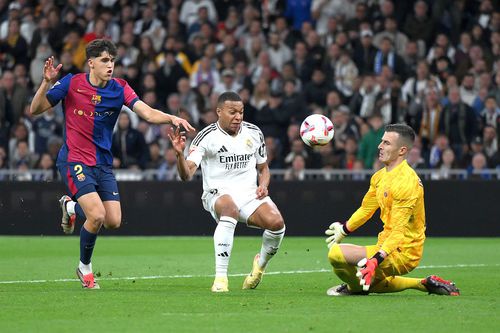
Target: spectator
(345, 74)
(315, 91)
(415, 158)
(279, 53)
(386, 56)
(13, 99)
(368, 146)
(298, 12)
(22, 155)
(441, 143)
(227, 83)
(168, 168)
(44, 127)
(365, 52)
(363, 102)
(45, 163)
(490, 145)
(128, 145)
(189, 14)
(346, 157)
(426, 120)
(391, 31)
(155, 156)
(274, 159)
(273, 119)
(458, 122)
(14, 45)
(446, 164)
(419, 25)
(74, 44)
(477, 168)
(296, 171)
(206, 72)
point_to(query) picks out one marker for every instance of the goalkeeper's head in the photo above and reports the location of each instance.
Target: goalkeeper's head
(406, 135)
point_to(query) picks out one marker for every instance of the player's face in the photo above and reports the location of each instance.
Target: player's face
(102, 67)
(389, 149)
(230, 116)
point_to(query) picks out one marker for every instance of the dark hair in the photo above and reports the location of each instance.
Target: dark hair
(228, 96)
(406, 133)
(98, 46)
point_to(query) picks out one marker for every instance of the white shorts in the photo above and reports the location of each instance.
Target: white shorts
(246, 202)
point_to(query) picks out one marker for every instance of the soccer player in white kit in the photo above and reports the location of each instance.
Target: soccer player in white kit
(232, 155)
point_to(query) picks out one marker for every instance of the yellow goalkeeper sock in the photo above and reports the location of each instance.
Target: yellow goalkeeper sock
(342, 269)
(394, 284)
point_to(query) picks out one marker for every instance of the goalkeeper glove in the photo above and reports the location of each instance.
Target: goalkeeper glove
(337, 231)
(366, 270)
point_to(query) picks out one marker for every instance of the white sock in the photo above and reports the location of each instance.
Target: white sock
(85, 269)
(70, 207)
(271, 241)
(223, 243)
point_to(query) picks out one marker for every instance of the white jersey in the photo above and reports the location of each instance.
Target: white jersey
(228, 162)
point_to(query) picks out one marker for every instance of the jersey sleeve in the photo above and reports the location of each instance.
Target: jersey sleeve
(59, 90)
(405, 197)
(261, 153)
(129, 95)
(369, 206)
(197, 152)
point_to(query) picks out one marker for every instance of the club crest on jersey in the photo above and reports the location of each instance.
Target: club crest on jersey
(80, 177)
(249, 143)
(96, 99)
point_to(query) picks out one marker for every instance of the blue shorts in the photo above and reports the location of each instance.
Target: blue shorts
(81, 179)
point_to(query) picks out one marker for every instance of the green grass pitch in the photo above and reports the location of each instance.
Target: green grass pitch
(162, 284)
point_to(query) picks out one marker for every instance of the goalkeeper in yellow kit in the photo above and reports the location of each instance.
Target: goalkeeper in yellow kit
(398, 192)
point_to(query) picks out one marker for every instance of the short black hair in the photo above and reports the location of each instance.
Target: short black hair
(406, 133)
(98, 46)
(228, 96)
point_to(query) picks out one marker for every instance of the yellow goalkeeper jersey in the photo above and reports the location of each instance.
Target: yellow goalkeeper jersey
(399, 194)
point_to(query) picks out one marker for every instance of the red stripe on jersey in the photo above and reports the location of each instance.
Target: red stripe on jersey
(79, 113)
(71, 183)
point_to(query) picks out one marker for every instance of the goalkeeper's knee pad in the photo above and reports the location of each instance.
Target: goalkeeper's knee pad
(336, 256)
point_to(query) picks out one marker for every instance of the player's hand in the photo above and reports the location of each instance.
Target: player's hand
(261, 192)
(49, 72)
(366, 272)
(337, 231)
(178, 140)
(177, 121)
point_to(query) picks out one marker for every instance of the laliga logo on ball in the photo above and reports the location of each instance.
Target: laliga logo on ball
(316, 130)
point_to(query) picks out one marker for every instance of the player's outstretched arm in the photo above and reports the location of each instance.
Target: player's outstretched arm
(186, 168)
(158, 117)
(40, 103)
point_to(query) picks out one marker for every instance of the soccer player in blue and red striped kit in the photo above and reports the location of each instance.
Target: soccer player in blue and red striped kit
(92, 102)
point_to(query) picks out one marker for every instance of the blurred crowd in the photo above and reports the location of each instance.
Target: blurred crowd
(431, 64)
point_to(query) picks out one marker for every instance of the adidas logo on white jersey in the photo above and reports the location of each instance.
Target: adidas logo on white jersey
(222, 150)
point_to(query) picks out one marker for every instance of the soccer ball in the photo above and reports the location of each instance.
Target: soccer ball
(316, 130)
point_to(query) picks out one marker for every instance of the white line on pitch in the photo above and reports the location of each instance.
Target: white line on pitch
(187, 276)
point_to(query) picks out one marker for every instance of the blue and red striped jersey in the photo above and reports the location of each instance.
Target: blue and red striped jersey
(90, 114)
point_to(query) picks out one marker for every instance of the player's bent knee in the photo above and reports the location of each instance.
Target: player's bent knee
(335, 256)
(230, 211)
(276, 223)
(113, 223)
